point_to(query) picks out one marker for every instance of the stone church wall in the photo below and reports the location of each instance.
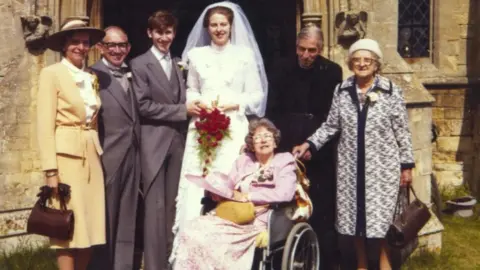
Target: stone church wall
(453, 80)
(19, 167)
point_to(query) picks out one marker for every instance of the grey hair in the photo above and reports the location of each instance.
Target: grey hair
(311, 31)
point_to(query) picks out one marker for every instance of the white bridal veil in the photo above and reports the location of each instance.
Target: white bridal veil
(241, 34)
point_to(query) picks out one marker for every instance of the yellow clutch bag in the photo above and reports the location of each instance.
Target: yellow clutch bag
(237, 212)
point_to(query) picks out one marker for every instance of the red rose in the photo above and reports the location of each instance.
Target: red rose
(199, 140)
(214, 144)
(219, 136)
(207, 161)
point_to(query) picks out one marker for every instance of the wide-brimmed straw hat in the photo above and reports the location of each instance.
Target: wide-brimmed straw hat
(56, 41)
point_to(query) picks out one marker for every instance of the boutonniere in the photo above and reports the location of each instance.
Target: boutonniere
(95, 84)
(373, 97)
(182, 65)
(129, 75)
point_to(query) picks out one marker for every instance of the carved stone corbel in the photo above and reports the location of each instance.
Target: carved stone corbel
(35, 31)
(350, 26)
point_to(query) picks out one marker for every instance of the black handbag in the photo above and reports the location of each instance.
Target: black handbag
(54, 223)
(409, 222)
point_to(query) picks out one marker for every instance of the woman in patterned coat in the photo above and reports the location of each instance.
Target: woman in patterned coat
(375, 152)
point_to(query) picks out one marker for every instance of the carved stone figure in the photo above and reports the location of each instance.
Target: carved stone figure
(35, 30)
(351, 26)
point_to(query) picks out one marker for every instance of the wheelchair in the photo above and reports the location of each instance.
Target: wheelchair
(292, 245)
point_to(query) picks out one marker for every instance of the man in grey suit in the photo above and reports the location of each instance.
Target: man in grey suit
(119, 132)
(160, 90)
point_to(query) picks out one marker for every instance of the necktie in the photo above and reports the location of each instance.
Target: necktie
(120, 75)
(167, 65)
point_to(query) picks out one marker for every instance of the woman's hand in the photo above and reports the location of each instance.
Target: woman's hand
(406, 177)
(228, 107)
(239, 196)
(300, 150)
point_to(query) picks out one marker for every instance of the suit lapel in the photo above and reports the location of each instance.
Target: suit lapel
(117, 91)
(160, 75)
(180, 80)
(73, 89)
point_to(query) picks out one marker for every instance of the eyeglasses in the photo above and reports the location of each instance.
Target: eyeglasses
(113, 45)
(358, 61)
(263, 136)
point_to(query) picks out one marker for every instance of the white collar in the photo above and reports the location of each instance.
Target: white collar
(108, 64)
(157, 53)
(218, 48)
(71, 66)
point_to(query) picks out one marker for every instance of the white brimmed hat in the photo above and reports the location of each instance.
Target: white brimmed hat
(365, 44)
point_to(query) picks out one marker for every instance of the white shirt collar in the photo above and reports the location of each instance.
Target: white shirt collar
(105, 61)
(158, 54)
(71, 66)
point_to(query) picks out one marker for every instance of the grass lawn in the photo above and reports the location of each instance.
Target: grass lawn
(460, 247)
(461, 250)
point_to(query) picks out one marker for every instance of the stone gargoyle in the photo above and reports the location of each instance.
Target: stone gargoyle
(35, 30)
(351, 26)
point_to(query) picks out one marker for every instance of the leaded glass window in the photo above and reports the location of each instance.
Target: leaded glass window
(414, 28)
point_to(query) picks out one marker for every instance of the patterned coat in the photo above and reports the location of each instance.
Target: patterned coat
(374, 144)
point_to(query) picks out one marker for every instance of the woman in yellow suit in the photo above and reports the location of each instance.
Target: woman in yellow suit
(67, 108)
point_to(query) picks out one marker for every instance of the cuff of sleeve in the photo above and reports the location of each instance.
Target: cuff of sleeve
(404, 166)
(252, 197)
(312, 148)
(241, 109)
(50, 165)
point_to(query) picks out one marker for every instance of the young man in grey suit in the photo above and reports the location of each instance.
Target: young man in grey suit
(119, 132)
(160, 90)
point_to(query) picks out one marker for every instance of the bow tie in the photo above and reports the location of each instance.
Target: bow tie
(118, 72)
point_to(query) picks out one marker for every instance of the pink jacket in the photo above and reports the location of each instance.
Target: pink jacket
(280, 189)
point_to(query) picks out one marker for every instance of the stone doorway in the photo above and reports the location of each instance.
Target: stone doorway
(273, 22)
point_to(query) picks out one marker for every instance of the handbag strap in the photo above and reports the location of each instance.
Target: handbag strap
(300, 166)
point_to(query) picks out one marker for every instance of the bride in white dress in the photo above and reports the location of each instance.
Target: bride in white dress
(224, 63)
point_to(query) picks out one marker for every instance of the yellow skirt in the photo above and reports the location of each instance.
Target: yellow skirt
(85, 178)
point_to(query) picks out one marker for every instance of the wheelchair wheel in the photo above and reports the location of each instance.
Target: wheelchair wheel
(301, 250)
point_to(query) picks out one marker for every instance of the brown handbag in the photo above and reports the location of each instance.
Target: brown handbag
(408, 223)
(54, 223)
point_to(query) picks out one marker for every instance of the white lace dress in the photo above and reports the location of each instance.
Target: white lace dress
(230, 74)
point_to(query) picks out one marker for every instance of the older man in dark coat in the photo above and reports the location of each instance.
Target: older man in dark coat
(300, 98)
(119, 132)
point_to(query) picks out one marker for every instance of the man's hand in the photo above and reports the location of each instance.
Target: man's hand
(228, 107)
(300, 150)
(194, 107)
(406, 177)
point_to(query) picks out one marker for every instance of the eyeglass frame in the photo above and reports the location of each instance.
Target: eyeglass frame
(356, 61)
(113, 45)
(265, 136)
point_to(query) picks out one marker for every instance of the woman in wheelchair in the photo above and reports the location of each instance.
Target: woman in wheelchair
(226, 237)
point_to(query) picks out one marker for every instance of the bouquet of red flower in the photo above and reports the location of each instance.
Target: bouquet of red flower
(212, 127)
